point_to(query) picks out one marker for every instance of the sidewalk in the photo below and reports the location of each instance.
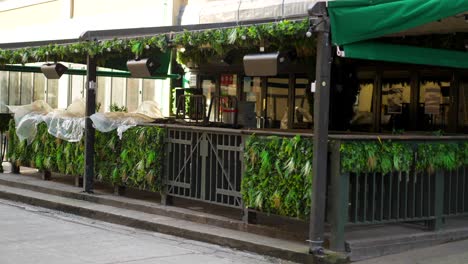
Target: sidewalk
(34, 235)
(450, 253)
(217, 225)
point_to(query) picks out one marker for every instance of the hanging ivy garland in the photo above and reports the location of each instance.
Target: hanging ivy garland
(194, 46)
(77, 52)
(199, 47)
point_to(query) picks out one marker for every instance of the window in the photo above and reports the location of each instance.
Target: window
(77, 88)
(14, 91)
(39, 87)
(133, 92)
(26, 87)
(52, 92)
(118, 92)
(3, 91)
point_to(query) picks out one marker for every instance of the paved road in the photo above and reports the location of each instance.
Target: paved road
(451, 253)
(33, 235)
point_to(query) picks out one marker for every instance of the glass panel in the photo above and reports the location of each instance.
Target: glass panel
(101, 102)
(252, 92)
(52, 92)
(434, 98)
(277, 100)
(229, 84)
(26, 87)
(396, 89)
(209, 91)
(133, 92)
(77, 87)
(39, 86)
(118, 92)
(3, 91)
(14, 97)
(149, 87)
(303, 112)
(362, 114)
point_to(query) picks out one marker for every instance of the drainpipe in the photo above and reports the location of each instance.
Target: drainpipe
(321, 27)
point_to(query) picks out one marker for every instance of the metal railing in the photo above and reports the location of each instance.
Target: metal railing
(456, 192)
(394, 197)
(205, 165)
(397, 197)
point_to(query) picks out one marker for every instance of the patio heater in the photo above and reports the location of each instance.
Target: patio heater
(53, 70)
(263, 64)
(142, 68)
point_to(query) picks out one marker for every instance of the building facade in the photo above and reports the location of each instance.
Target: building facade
(38, 20)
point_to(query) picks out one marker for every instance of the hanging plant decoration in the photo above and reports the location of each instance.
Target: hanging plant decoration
(198, 46)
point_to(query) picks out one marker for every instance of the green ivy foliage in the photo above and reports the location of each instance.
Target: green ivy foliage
(446, 156)
(107, 147)
(389, 156)
(141, 158)
(202, 46)
(77, 52)
(278, 175)
(135, 161)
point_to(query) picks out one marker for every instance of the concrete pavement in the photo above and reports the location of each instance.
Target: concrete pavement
(451, 253)
(36, 235)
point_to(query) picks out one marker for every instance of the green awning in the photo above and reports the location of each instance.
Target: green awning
(358, 20)
(370, 50)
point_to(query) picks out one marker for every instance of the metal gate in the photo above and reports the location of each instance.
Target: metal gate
(204, 165)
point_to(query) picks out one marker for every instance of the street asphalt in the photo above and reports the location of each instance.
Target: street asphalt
(36, 235)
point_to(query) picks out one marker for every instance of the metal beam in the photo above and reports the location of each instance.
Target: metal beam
(31, 44)
(151, 31)
(124, 74)
(321, 116)
(91, 86)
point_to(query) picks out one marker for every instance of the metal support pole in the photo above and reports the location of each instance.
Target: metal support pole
(321, 116)
(91, 86)
(436, 224)
(454, 103)
(377, 102)
(338, 201)
(291, 99)
(263, 96)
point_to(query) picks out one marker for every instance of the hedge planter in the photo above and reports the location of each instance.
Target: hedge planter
(278, 175)
(135, 161)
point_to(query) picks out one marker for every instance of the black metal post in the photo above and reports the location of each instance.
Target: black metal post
(454, 103)
(264, 103)
(321, 116)
(291, 99)
(377, 102)
(91, 86)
